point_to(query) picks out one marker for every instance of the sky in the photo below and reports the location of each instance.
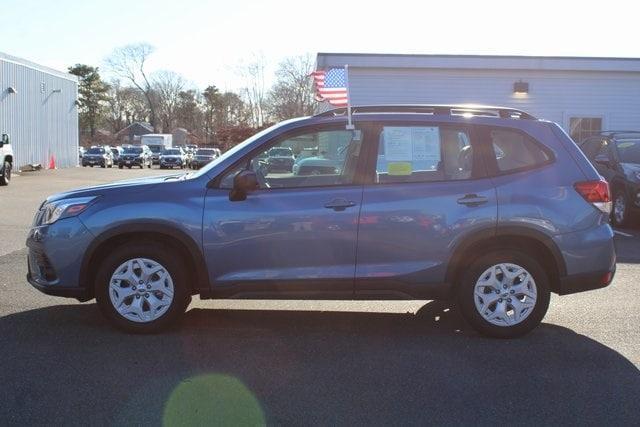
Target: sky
(208, 41)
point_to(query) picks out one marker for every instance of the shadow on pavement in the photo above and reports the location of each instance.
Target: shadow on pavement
(65, 364)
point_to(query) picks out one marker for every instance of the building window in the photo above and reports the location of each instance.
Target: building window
(583, 127)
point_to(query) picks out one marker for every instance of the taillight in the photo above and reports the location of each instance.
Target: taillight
(595, 192)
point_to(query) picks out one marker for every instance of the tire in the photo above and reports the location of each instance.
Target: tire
(5, 176)
(141, 165)
(620, 210)
(106, 295)
(128, 167)
(120, 166)
(503, 301)
(104, 165)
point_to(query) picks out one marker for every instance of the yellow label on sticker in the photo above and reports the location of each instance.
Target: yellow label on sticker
(399, 168)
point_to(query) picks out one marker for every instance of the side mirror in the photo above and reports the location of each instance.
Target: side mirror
(603, 159)
(244, 183)
(5, 139)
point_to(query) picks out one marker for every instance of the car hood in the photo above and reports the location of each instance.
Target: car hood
(134, 185)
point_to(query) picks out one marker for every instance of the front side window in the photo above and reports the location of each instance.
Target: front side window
(333, 161)
(423, 153)
(516, 151)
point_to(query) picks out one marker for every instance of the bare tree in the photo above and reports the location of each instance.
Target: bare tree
(292, 94)
(128, 62)
(125, 105)
(254, 90)
(167, 87)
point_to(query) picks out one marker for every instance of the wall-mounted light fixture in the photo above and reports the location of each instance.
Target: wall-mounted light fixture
(521, 88)
(12, 89)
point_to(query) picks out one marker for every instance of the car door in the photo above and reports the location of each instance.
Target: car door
(295, 235)
(427, 192)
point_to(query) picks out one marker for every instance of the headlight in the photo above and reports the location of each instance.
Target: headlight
(65, 208)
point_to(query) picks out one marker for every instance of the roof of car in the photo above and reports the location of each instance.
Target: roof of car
(465, 110)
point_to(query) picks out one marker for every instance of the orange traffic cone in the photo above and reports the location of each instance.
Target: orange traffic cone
(52, 162)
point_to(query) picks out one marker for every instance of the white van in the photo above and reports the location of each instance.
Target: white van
(157, 142)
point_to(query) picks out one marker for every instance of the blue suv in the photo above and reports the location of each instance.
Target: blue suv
(486, 206)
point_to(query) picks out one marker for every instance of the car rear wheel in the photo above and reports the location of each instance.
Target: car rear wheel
(142, 288)
(5, 176)
(620, 211)
(504, 294)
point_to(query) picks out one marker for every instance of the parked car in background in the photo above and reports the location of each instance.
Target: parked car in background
(172, 158)
(485, 206)
(280, 159)
(116, 152)
(616, 156)
(6, 159)
(156, 143)
(98, 156)
(202, 157)
(135, 155)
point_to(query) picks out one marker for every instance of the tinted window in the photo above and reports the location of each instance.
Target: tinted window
(423, 153)
(205, 152)
(133, 150)
(515, 151)
(171, 152)
(95, 151)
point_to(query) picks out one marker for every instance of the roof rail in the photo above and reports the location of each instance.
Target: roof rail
(447, 110)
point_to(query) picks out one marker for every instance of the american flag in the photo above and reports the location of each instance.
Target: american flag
(331, 86)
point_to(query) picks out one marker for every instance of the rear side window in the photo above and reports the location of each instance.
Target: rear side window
(423, 154)
(516, 151)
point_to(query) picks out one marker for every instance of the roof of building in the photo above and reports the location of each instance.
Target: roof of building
(143, 125)
(491, 62)
(29, 64)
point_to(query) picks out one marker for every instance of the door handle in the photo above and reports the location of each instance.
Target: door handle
(472, 200)
(339, 204)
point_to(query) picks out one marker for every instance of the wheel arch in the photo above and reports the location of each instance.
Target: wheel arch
(161, 233)
(525, 239)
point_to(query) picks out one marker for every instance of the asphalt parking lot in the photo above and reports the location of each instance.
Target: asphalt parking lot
(312, 362)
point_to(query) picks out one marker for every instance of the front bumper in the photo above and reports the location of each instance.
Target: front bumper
(55, 256)
(137, 161)
(93, 161)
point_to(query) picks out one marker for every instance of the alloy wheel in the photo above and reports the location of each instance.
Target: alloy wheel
(141, 290)
(505, 294)
(619, 208)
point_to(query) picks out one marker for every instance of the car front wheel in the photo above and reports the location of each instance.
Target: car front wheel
(141, 288)
(504, 294)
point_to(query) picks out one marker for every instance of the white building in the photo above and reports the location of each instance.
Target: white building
(581, 94)
(38, 110)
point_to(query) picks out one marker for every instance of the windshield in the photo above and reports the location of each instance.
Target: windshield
(205, 152)
(171, 152)
(133, 150)
(155, 148)
(95, 151)
(629, 150)
(280, 152)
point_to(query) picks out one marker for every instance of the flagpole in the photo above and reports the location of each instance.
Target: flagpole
(350, 125)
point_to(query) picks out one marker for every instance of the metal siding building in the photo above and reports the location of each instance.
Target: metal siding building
(606, 91)
(38, 110)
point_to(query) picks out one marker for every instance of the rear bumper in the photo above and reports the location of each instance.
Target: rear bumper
(590, 259)
(585, 282)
